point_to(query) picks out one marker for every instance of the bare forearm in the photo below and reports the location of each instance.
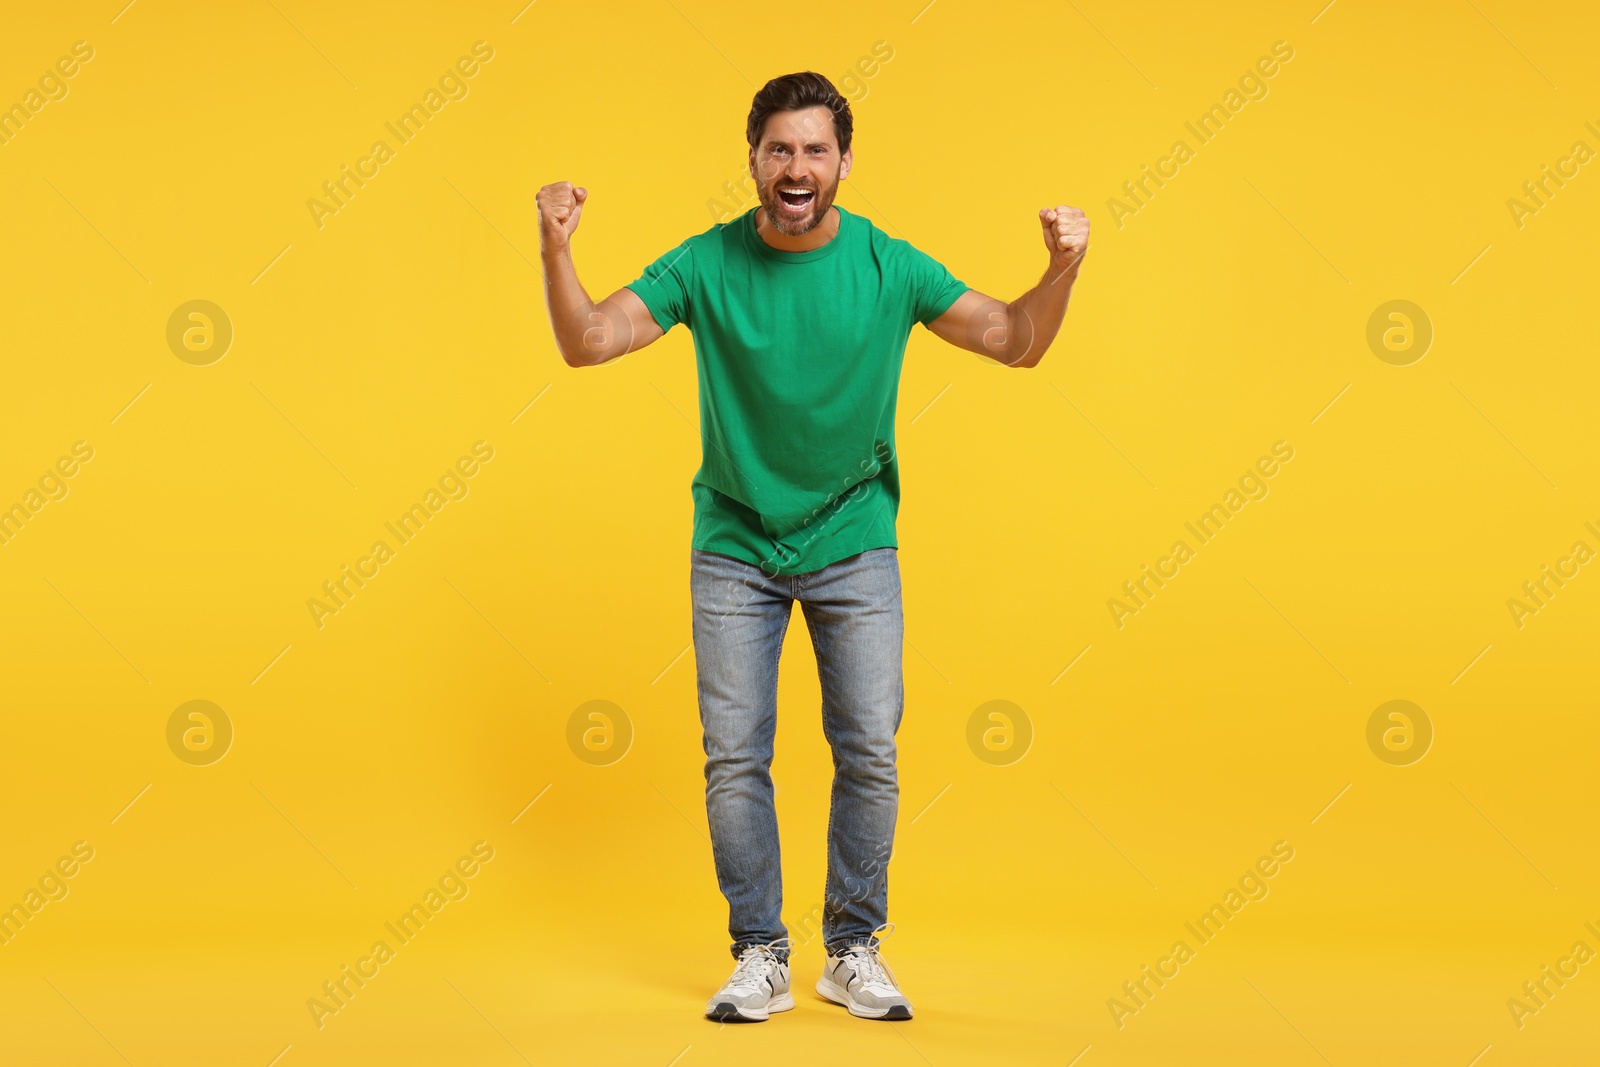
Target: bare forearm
(569, 305)
(1035, 317)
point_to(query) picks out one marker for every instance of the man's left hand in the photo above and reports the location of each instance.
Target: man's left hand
(1066, 234)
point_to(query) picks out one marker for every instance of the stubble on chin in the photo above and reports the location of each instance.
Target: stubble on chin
(787, 226)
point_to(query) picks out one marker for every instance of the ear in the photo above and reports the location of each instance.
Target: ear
(845, 162)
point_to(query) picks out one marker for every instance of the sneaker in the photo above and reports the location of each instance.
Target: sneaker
(759, 986)
(860, 979)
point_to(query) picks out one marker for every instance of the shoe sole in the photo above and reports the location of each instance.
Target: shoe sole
(727, 1011)
(831, 991)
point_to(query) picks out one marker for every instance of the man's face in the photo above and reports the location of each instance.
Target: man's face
(797, 166)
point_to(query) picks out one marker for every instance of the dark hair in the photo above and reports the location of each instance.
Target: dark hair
(794, 92)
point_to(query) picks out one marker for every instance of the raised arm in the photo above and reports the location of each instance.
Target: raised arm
(587, 333)
(1017, 334)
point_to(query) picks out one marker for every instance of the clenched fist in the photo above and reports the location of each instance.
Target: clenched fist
(559, 207)
(1066, 234)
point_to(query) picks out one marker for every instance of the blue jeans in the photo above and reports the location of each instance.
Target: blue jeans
(741, 614)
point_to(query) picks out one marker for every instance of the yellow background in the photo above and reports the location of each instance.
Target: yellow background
(426, 715)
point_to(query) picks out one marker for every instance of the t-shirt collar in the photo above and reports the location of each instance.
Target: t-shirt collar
(766, 251)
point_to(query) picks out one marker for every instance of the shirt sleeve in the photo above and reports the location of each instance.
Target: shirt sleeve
(664, 287)
(933, 288)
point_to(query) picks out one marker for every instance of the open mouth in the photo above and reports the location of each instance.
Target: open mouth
(796, 199)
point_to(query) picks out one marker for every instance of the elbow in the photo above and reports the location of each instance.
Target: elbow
(593, 347)
(1034, 352)
(576, 357)
(1031, 356)
(1026, 343)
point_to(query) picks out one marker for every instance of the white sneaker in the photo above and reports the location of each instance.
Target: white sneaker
(860, 979)
(759, 986)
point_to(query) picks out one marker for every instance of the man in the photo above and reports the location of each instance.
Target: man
(800, 312)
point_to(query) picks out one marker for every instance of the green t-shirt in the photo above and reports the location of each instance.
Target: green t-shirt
(799, 358)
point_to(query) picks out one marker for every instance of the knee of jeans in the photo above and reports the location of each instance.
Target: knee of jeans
(732, 763)
(868, 761)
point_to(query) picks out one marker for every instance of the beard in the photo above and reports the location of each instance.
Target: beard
(796, 225)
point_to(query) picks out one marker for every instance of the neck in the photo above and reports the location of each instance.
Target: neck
(816, 237)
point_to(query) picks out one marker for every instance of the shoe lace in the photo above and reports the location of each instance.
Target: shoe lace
(756, 961)
(868, 962)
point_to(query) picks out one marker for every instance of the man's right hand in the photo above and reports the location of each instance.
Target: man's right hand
(559, 207)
